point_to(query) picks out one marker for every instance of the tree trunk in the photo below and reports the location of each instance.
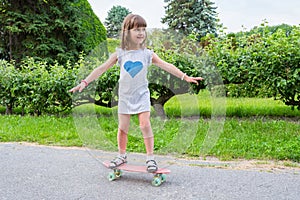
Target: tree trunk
(10, 45)
(9, 110)
(159, 110)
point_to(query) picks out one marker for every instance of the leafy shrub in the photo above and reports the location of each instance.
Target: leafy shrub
(263, 63)
(36, 87)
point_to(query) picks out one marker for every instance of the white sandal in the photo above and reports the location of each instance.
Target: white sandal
(118, 161)
(151, 166)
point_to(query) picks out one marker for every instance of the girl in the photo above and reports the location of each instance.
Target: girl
(134, 96)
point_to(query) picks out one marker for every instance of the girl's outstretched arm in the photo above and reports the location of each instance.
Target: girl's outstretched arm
(156, 60)
(96, 73)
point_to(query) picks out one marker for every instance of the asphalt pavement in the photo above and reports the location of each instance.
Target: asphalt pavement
(33, 172)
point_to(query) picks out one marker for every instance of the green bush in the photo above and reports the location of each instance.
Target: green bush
(36, 87)
(263, 63)
(112, 44)
(9, 85)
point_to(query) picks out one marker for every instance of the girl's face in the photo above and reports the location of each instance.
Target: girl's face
(137, 36)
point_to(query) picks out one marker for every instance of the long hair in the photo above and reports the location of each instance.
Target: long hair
(131, 21)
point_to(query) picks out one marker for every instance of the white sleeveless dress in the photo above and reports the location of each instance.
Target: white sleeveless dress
(134, 94)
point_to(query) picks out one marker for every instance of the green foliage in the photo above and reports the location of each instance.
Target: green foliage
(92, 30)
(163, 85)
(102, 91)
(186, 54)
(112, 44)
(114, 19)
(9, 84)
(264, 63)
(36, 87)
(190, 16)
(48, 30)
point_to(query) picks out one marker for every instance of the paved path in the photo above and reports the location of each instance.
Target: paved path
(37, 172)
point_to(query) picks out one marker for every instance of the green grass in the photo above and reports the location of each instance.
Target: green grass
(253, 129)
(46, 130)
(203, 104)
(258, 139)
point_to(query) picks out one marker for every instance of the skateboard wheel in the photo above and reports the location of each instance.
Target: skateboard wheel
(163, 177)
(111, 176)
(156, 181)
(118, 173)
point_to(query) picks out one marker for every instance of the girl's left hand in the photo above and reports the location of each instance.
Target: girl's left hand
(79, 87)
(193, 79)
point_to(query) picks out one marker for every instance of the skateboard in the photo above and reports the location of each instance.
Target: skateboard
(158, 178)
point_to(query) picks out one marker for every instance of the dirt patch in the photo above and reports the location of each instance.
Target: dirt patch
(256, 165)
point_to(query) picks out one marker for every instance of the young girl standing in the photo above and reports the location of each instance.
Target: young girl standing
(134, 97)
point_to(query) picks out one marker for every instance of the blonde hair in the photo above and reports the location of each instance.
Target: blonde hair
(131, 21)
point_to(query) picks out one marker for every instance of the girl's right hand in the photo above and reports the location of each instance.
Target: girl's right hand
(79, 87)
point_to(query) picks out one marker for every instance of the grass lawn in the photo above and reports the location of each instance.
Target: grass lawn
(252, 129)
(203, 105)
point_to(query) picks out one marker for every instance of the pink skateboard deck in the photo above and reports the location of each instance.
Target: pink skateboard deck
(158, 179)
(137, 168)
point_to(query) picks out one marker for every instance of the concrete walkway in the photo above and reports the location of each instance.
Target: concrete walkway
(38, 172)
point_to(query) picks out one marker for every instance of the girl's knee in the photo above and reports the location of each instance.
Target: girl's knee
(147, 131)
(122, 131)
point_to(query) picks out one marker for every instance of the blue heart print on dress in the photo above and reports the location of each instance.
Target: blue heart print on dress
(133, 68)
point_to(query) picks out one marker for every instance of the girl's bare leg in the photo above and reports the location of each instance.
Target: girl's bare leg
(145, 125)
(146, 129)
(124, 122)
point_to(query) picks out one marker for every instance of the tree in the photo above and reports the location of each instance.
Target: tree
(264, 61)
(48, 30)
(114, 19)
(191, 16)
(92, 29)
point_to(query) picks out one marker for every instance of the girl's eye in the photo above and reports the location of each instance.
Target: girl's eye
(139, 29)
